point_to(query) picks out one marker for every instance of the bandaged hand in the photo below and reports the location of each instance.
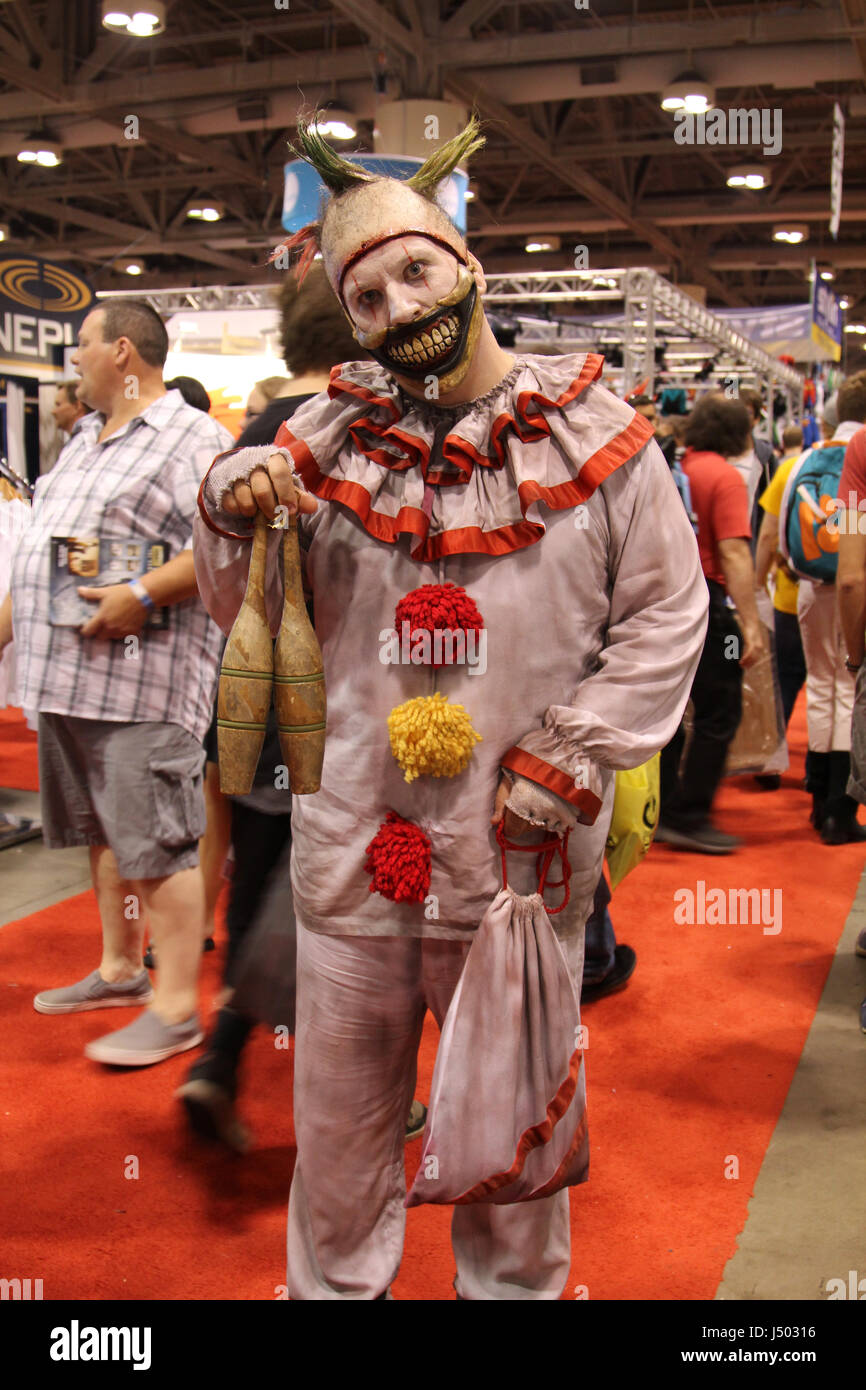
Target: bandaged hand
(259, 478)
(529, 809)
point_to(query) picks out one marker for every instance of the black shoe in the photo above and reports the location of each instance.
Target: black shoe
(208, 1097)
(211, 1114)
(416, 1121)
(209, 945)
(704, 839)
(768, 781)
(616, 978)
(841, 830)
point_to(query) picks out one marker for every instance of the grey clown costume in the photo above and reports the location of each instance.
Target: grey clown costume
(550, 504)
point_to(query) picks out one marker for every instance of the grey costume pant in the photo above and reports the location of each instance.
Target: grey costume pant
(361, 1005)
(829, 685)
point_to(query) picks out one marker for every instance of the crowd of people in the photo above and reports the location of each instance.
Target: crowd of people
(689, 544)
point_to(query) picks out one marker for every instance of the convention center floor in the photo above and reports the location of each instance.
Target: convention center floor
(726, 1091)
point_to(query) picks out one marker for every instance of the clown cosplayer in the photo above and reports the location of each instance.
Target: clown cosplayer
(510, 606)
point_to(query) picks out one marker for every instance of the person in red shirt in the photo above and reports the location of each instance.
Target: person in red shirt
(717, 429)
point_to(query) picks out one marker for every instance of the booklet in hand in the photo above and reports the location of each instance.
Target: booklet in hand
(94, 563)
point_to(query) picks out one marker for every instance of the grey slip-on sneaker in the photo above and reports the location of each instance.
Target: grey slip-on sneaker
(145, 1041)
(94, 993)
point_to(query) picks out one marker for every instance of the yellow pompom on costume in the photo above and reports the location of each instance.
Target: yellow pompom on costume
(430, 736)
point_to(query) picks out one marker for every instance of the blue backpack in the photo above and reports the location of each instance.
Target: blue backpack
(809, 530)
(681, 479)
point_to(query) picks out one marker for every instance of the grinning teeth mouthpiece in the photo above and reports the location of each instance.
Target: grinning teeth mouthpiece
(429, 346)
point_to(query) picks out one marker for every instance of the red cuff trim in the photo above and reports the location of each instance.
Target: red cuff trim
(211, 525)
(536, 770)
(533, 1137)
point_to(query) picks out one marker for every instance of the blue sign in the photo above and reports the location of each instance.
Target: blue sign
(826, 319)
(304, 193)
(41, 309)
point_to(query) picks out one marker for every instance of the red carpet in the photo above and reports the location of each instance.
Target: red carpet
(687, 1070)
(19, 762)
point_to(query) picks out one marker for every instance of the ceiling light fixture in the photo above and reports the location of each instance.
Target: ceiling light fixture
(140, 23)
(548, 243)
(689, 93)
(336, 123)
(751, 176)
(4, 231)
(827, 275)
(793, 233)
(844, 302)
(37, 150)
(206, 212)
(855, 328)
(131, 267)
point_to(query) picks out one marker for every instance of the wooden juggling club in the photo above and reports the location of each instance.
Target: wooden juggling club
(299, 680)
(246, 679)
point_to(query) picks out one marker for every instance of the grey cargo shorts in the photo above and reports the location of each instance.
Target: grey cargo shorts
(137, 788)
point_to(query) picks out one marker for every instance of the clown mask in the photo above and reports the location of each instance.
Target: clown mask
(415, 308)
(405, 278)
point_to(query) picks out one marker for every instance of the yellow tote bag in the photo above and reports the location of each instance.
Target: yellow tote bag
(634, 819)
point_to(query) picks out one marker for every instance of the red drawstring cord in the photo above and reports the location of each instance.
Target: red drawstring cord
(544, 853)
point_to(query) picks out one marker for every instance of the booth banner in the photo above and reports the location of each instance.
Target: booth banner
(801, 331)
(826, 319)
(837, 160)
(41, 309)
(771, 328)
(303, 191)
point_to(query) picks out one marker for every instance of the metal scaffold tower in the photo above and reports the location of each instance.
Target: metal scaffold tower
(644, 308)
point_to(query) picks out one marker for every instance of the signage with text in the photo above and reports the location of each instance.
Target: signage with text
(41, 309)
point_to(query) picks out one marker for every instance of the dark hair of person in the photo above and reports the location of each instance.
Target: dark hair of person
(792, 437)
(720, 426)
(192, 391)
(752, 400)
(315, 332)
(635, 401)
(69, 389)
(851, 400)
(679, 425)
(135, 320)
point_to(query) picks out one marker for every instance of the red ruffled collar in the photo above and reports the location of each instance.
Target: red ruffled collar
(546, 433)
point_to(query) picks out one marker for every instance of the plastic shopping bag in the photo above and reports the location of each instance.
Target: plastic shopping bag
(634, 819)
(762, 725)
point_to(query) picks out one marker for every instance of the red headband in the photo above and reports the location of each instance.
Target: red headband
(393, 236)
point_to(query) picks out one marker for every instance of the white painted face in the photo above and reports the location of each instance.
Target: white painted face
(398, 282)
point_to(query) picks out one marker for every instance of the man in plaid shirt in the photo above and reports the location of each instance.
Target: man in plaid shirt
(123, 707)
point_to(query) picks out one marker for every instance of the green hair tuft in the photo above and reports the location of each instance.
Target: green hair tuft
(444, 161)
(336, 173)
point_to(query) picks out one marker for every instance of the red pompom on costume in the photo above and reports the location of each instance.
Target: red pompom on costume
(399, 861)
(439, 608)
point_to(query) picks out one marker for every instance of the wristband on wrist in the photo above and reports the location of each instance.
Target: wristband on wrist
(852, 665)
(141, 593)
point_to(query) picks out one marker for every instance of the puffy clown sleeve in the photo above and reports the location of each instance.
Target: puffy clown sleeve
(630, 706)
